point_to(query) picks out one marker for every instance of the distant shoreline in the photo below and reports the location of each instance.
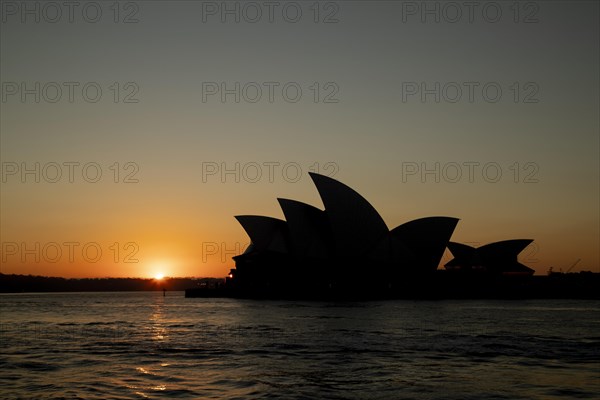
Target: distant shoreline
(84, 291)
(558, 285)
(43, 284)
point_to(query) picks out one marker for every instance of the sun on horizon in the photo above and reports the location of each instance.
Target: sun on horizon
(159, 276)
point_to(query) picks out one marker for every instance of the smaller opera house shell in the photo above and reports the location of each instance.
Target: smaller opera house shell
(345, 246)
(498, 257)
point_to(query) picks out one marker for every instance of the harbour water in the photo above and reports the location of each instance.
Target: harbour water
(140, 345)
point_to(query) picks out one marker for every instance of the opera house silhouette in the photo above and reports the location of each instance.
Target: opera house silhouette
(498, 257)
(348, 250)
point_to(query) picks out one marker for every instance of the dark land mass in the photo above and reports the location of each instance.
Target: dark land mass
(30, 283)
(441, 285)
(435, 286)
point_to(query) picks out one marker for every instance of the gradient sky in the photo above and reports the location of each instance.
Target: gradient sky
(179, 221)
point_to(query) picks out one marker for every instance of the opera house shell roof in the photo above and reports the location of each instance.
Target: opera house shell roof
(499, 257)
(348, 240)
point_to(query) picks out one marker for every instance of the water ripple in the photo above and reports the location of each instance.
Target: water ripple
(141, 345)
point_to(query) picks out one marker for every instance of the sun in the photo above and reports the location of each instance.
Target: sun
(160, 269)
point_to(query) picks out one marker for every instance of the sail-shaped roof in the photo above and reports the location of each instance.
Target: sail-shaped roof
(426, 238)
(357, 227)
(497, 256)
(309, 229)
(266, 233)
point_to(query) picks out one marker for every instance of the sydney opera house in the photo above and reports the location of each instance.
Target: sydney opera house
(348, 248)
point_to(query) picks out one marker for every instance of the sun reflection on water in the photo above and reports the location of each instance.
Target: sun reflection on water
(157, 320)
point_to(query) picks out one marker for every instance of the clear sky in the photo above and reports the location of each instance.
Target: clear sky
(485, 111)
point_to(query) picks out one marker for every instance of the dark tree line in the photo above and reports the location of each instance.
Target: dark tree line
(30, 283)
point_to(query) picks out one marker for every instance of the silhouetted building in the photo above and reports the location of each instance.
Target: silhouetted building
(497, 257)
(336, 247)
